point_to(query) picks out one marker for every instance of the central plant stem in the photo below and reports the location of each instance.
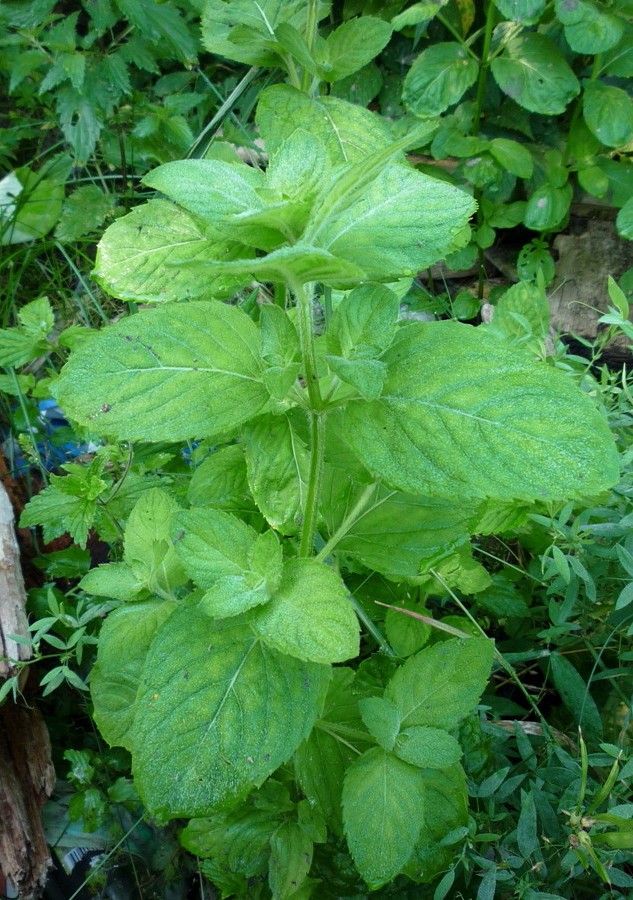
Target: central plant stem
(305, 326)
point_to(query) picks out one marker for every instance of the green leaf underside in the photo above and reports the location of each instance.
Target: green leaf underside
(383, 813)
(217, 712)
(493, 424)
(399, 532)
(533, 72)
(115, 677)
(172, 373)
(441, 684)
(134, 256)
(310, 615)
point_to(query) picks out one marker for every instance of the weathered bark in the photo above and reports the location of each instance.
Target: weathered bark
(26, 771)
(12, 594)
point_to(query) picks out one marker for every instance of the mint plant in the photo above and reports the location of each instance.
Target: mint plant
(342, 451)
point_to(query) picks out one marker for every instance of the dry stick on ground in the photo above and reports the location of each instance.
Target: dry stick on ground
(26, 772)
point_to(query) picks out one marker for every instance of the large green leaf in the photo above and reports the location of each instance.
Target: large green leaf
(278, 463)
(135, 253)
(401, 223)
(124, 641)
(353, 45)
(401, 534)
(239, 568)
(244, 30)
(348, 132)
(310, 615)
(383, 812)
(217, 712)
(463, 416)
(532, 71)
(608, 112)
(588, 28)
(438, 78)
(171, 373)
(441, 684)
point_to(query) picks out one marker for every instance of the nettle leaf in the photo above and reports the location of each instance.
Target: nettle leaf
(445, 794)
(28, 340)
(532, 71)
(114, 680)
(401, 223)
(438, 78)
(588, 28)
(353, 45)
(608, 112)
(527, 12)
(170, 373)
(68, 504)
(348, 132)
(84, 211)
(436, 429)
(383, 812)
(429, 748)
(278, 464)
(321, 760)
(135, 254)
(217, 712)
(441, 684)
(220, 481)
(219, 552)
(310, 615)
(382, 718)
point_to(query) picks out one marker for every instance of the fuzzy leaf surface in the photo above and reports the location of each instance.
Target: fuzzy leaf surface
(170, 373)
(116, 675)
(383, 812)
(441, 684)
(437, 430)
(217, 712)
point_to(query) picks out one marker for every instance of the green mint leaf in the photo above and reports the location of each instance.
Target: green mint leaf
(290, 859)
(438, 78)
(170, 373)
(115, 677)
(239, 837)
(364, 323)
(135, 254)
(310, 615)
(366, 375)
(547, 207)
(533, 72)
(429, 748)
(278, 464)
(194, 748)
(418, 12)
(513, 156)
(383, 812)
(522, 312)
(441, 684)
(321, 760)
(446, 799)
(434, 430)
(353, 45)
(624, 223)
(280, 341)
(402, 535)
(115, 580)
(382, 718)
(148, 549)
(220, 481)
(348, 132)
